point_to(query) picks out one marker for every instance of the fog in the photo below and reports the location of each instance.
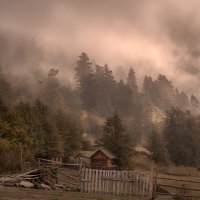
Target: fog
(157, 36)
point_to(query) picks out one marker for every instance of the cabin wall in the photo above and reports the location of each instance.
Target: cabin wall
(100, 160)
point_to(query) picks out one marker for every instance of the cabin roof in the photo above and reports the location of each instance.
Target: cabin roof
(86, 154)
(106, 152)
(142, 150)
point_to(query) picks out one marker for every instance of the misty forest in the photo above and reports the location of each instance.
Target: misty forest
(48, 116)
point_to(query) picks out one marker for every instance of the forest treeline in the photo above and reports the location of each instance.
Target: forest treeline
(51, 121)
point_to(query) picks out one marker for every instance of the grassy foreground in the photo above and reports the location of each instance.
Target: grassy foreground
(33, 194)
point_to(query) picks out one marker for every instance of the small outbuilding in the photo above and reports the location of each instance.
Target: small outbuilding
(84, 158)
(102, 158)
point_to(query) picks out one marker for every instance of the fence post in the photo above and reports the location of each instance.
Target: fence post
(81, 175)
(151, 181)
(155, 184)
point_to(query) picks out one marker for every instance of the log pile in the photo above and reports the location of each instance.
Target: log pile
(37, 178)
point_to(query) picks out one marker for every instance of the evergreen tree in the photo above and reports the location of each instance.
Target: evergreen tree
(70, 133)
(148, 88)
(83, 69)
(182, 99)
(132, 82)
(85, 80)
(123, 99)
(158, 148)
(115, 139)
(3, 109)
(181, 132)
(194, 101)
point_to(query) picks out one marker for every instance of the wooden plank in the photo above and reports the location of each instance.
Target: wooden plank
(176, 179)
(93, 179)
(126, 184)
(147, 185)
(122, 183)
(106, 183)
(115, 182)
(143, 185)
(100, 181)
(89, 179)
(131, 184)
(118, 177)
(103, 182)
(137, 184)
(86, 178)
(111, 182)
(96, 181)
(151, 184)
(107, 186)
(81, 179)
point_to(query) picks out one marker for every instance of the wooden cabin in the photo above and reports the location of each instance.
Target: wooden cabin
(102, 158)
(84, 158)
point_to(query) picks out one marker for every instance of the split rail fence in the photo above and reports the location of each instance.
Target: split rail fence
(181, 188)
(113, 182)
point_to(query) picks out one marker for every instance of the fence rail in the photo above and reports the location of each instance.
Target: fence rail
(181, 190)
(116, 182)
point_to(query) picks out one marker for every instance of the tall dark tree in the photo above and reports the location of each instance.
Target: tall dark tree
(116, 140)
(131, 81)
(3, 108)
(181, 132)
(148, 88)
(85, 81)
(194, 101)
(123, 98)
(83, 69)
(69, 131)
(5, 88)
(104, 83)
(182, 99)
(158, 148)
(109, 84)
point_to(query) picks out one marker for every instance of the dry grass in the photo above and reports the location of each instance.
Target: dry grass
(33, 194)
(181, 173)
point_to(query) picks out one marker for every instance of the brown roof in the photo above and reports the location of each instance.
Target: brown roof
(106, 152)
(142, 150)
(86, 154)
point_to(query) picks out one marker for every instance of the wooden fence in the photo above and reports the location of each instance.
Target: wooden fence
(64, 175)
(182, 188)
(117, 182)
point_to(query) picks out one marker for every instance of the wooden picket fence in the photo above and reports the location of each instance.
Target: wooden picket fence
(117, 182)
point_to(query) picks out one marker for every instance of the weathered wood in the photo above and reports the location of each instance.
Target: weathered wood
(27, 173)
(151, 183)
(115, 182)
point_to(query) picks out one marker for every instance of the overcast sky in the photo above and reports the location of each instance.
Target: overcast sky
(153, 36)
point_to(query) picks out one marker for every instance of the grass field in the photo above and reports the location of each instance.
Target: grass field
(33, 194)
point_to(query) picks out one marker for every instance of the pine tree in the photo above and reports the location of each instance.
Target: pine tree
(83, 69)
(148, 87)
(3, 109)
(181, 133)
(123, 99)
(131, 81)
(85, 81)
(194, 101)
(117, 141)
(157, 147)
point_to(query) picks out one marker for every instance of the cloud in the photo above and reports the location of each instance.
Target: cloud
(160, 36)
